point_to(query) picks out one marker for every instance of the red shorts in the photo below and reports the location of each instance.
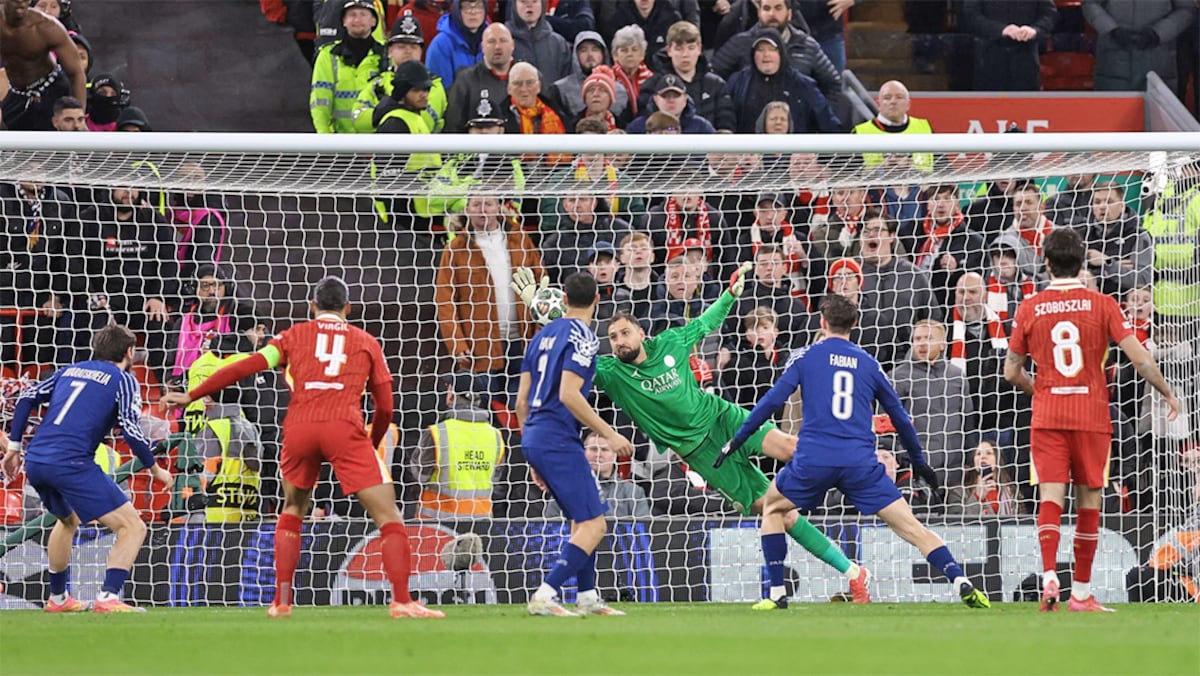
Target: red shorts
(1070, 456)
(344, 444)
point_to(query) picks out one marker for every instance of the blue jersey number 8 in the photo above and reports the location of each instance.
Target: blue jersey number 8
(843, 395)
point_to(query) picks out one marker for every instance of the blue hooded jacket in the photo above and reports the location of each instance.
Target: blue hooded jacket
(450, 49)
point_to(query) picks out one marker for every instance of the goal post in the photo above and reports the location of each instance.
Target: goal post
(98, 225)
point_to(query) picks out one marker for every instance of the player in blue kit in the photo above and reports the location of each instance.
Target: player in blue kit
(552, 402)
(840, 384)
(86, 399)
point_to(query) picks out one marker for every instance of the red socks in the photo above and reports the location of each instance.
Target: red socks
(287, 555)
(396, 564)
(1087, 536)
(1049, 519)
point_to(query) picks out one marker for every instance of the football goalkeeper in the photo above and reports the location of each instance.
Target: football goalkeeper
(651, 381)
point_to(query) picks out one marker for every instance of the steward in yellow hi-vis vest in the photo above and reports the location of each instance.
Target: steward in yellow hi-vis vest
(893, 118)
(232, 461)
(342, 69)
(457, 458)
(405, 44)
(1174, 226)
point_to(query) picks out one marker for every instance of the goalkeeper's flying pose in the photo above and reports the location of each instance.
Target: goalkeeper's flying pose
(652, 382)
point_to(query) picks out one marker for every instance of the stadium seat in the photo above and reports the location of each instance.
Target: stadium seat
(1068, 71)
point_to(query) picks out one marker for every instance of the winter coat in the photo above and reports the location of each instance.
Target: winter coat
(750, 373)
(752, 90)
(572, 17)
(567, 92)
(655, 26)
(1001, 63)
(467, 94)
(1124, 240)
(1124, 67)
(803, 52)
(450, 51)
(566, 250)
(466, 304)
(706, 90)
(542, 47)
(937, 398)
(689, 121)
(902, 295)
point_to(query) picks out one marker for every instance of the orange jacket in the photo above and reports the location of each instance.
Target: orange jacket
(466, 299)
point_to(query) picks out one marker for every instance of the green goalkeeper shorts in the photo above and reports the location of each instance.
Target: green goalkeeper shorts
(740, 481)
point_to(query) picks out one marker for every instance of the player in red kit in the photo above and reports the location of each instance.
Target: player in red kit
(328, 365)
(1067, 329)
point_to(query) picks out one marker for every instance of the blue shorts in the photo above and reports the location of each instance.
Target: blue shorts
(867, 488)
(83, 489)
(568, 476)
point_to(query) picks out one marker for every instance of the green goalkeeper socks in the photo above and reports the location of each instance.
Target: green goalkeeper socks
(818, 545)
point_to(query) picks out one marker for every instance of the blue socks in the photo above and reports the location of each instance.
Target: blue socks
(943, 560)
(585, 578)
(59, 580)
(774, 549)
(569, 564)
(114, 580)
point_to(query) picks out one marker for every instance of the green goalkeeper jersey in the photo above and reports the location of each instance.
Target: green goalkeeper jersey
(661, 394)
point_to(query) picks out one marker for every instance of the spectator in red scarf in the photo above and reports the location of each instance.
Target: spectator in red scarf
(629, 63)
(838, 236)
(978, 346)
(943, 245)
(599, 99)
(772, 225)
(529, 113)
(1029, 227)
(1007, 286)
(686, 215)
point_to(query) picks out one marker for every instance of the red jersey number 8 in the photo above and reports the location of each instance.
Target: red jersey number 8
(1068, 357)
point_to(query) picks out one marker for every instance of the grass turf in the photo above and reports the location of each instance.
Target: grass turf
(652, 639)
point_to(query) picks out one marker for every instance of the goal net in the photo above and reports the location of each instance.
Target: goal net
(207, 245)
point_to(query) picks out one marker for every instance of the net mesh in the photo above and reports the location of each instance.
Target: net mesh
(93, 238)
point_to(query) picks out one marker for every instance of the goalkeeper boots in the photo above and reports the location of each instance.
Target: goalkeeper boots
(413, 609)
(69, 605)
(114, 605)
(548, 608)
(858, 586)
(1049, 602)
(1088, 605)
(972, 597)
(771, 604)
(595, 606)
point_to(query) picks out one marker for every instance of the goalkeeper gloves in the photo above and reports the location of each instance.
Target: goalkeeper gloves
(524, 285)
(737, 283)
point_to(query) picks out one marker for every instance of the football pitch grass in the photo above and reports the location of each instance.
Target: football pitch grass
(652, 639)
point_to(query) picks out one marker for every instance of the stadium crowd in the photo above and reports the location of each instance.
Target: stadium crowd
(937, 270)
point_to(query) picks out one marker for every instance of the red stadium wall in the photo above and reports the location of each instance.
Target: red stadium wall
(991, 112)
